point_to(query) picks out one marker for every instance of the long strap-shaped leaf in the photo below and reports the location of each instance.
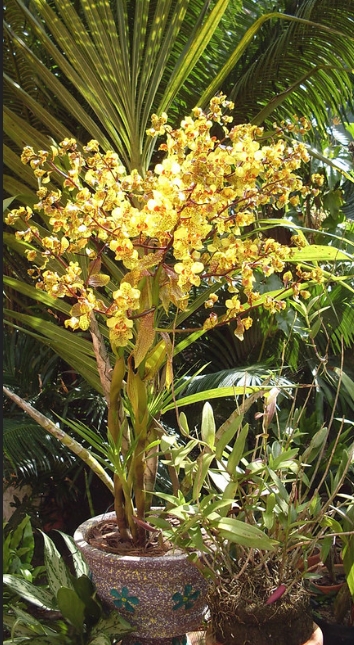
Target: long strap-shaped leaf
(192, 52)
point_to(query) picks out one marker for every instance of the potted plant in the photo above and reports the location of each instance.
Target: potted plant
(128, 259)
(267, 505)
(64, 607)
(333, 604)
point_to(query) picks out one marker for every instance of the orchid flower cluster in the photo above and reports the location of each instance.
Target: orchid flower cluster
(179, 227)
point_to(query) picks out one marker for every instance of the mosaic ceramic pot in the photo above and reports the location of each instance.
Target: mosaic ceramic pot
(164, 597)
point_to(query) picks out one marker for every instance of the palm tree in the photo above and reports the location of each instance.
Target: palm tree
(99, 70)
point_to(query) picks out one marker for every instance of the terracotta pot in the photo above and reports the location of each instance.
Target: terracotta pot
(331, 588)
(163, 597)
(312, 562)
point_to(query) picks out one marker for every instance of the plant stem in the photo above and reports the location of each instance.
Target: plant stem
(63, 437)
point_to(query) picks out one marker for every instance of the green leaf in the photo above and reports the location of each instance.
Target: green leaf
(217, 393)
(87, 593)
(245, 534)
(237, 451)
(160, 523)
(79, 562)
(315, 445)
(113, 625)
(348, 563)
(58, 574)
(28, 630)
(193, 52)
(347, 382)
(72, 608)
(208, 508)
(227, 436)
(285, 456)
(319, 253)
(73, 349)
(204, 462)
(183, 424)
(268, 516)
(36, 595)
(6, 203)
(102, 639)
(21, 541)
(208, 428)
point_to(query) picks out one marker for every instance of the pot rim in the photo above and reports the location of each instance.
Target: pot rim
(80, 541)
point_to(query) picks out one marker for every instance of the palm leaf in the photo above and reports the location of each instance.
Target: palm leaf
(251, 376)
(74, 350)
(31, 453)
(289, 57)
(109, 66)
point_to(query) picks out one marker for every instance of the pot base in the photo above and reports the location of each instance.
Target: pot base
(176, 640)
(316, 638)
(205, 638)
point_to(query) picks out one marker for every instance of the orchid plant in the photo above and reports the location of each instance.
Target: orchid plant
(258, 499)
(134, 256)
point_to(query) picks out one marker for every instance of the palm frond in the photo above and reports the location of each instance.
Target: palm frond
(74, 350)
(98, 70)
(315, 64)
(251, 376)
(30, 452)
(30, 367)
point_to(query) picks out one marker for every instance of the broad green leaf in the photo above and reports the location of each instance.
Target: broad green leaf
(58, 574)
(36, 595)
(268, 516)
(347, 382)
(237, 451)
(6, 203)
(285, 456)
(217, 393)
(28, 630)
(227, 436)
(315, 445)
(160, 523)
(348, 562)
(113, 625)
(79, 562)
(201, 473)
(245, 534)
(319, 253)
(22, 535)
(208, 425)
(72, 608)
(282, 495)
(210, 508)
(86, 591)
(179, 454)
(102, 639)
